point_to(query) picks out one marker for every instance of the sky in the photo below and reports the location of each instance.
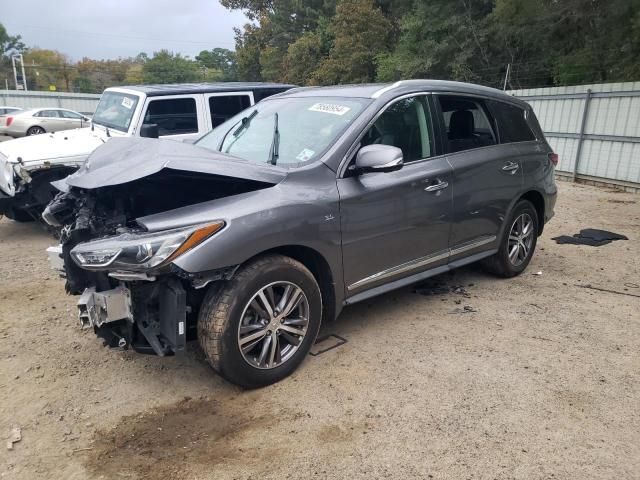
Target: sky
(102, 29)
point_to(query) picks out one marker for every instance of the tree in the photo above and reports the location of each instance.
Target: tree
(221, 61)
(46, 68)
(168, 67)
(361, 32)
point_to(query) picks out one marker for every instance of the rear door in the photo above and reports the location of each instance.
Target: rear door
(486, 175)
(178, 116)
(49, 120)
(224, 105)
(396, 224)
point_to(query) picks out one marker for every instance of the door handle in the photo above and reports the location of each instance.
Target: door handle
(510, 167)
(437, 186)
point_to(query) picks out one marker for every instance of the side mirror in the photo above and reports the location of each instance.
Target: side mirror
(378, 158)
(149, 130)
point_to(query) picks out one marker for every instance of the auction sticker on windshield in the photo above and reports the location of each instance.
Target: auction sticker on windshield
(127, 102)
(305, 155)
(331, 108)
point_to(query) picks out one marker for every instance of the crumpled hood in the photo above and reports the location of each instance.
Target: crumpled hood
(52, 146)
(123, 160)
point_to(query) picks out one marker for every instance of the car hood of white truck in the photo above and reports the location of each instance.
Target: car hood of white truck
(64, 147)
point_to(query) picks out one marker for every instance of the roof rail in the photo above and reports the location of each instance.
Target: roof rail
(377, 93)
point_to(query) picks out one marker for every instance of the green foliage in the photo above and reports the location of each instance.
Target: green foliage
(168, 67)
(546, 42)
(360, 33)
(221, 61)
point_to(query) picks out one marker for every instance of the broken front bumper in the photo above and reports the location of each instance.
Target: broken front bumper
(97, 308)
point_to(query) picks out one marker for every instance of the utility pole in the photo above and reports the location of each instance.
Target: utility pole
(506, 76)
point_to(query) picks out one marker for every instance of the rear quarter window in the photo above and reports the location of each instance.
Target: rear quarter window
(511, 122)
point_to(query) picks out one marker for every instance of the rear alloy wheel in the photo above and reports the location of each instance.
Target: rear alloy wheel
(259, 326)
(35, 131)
(518, 242)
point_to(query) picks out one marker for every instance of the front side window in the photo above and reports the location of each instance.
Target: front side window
(224, 107)
(466, 123)
(174, 116)
(511, 122)
(404, 124)
(115, 110)
(285, 131)
(70, 115)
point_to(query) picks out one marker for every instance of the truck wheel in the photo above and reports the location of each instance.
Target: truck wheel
(258, 327)
(517, 244)
(35, 131)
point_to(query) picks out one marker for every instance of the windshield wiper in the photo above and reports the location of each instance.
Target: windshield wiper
(275, 143)
(244, 124)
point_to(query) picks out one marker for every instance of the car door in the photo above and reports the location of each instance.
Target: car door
(48, 119)
(178, 117)
(71, 119)
(486, 175)
(396, 224)
(221, 106)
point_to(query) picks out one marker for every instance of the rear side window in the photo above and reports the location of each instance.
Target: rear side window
(466, 122)
(511, 122)
(47, 113)
(224, 107)
(174, 116)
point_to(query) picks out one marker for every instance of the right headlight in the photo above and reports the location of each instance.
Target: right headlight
(141, 252)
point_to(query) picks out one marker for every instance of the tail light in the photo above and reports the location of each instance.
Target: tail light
(553, 157)
(8, 121)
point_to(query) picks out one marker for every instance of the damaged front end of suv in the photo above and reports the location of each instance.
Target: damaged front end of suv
(123, 230)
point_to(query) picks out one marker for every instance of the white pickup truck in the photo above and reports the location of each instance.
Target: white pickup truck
(179, 111)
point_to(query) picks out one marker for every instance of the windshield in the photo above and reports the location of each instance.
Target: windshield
(115, 110)
(300, 129)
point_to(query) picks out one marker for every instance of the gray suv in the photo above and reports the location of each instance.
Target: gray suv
(311, 200)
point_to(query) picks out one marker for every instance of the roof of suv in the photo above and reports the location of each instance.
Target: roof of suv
(384, 90)
(186, 88)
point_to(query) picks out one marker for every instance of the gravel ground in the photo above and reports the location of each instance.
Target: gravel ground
(540, 380)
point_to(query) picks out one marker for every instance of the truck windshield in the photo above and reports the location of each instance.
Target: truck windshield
(115, 110)
(302, 129)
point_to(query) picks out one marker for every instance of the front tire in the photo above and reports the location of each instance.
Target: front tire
(257, 328)
(518, 242)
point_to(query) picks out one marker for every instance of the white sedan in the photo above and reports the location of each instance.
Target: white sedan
(41, 120)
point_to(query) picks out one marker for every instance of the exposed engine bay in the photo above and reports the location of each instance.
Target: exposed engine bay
(130, 292)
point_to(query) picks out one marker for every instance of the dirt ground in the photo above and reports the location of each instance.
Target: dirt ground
(540, 380)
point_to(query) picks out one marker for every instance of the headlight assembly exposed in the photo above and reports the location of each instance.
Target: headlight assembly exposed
(141, 252)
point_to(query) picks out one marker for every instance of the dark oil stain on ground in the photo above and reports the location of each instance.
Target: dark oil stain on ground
(164, 442)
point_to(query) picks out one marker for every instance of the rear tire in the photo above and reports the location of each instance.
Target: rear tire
(518, 242)
(35, 131)
(246, 342)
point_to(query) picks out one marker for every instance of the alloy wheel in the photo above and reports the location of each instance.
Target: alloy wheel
(273, 325)
(35, 131)
(520, 239)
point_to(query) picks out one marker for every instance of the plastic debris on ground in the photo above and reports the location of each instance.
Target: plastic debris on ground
(590, 236)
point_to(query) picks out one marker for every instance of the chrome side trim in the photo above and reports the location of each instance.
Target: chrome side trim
(471, 245)
(405, 267)
(377, 93)
(421, 262)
